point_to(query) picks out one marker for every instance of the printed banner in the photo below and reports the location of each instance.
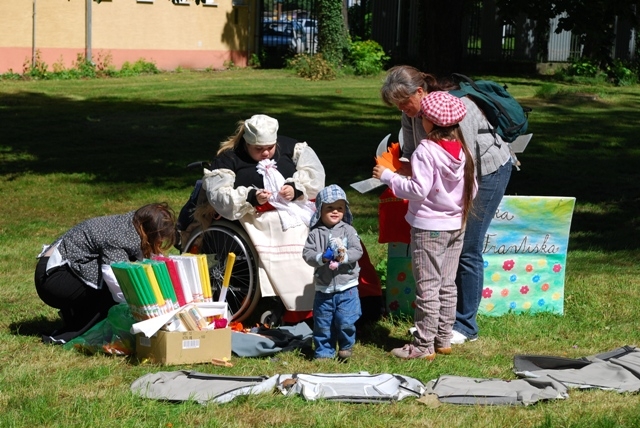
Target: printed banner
(525, 252)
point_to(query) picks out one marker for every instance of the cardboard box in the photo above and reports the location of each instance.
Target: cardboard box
(184, 347)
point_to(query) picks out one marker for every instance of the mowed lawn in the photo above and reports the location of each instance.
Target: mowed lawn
(71, 150)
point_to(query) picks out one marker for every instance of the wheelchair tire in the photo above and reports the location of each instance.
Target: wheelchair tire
(217, 241)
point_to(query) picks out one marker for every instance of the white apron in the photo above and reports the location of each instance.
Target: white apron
(282, 270)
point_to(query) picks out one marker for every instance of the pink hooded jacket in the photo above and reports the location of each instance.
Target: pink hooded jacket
(434, 190)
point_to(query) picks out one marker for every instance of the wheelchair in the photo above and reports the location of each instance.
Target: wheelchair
(201, 231)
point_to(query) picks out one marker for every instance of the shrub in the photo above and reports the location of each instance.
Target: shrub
(36, 69)
(312, 67)
(585, 70)
(582, 67)
(85, 68)
(367, 57)
(255, 61)
(141, 66)
(10, 75)
(621, 74)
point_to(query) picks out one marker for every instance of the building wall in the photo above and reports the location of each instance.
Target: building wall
(188, 36)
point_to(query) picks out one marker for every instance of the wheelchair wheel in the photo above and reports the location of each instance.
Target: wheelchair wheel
(217, 241)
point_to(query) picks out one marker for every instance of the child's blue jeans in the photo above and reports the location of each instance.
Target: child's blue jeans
(334, 318)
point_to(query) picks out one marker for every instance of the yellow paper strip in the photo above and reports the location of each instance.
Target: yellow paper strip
(155, 287)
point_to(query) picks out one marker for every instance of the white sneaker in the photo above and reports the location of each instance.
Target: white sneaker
(458, 338)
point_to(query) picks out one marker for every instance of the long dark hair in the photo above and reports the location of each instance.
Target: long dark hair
(156, 225)
(454, 133)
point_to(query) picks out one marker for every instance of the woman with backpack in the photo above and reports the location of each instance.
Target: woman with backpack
(404, 87)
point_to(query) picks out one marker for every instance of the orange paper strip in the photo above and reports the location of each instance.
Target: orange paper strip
(390, 158)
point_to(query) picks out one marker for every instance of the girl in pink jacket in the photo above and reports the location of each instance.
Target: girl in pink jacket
(440, 192)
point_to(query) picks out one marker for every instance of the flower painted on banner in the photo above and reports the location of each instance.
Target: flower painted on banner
(394, 306)
(535, 278)
(402, 276)
(508, 264)
(490, 307)
(526, 305)
(395, 291)
(512, 305)
(528, 268)
(413, 304)
(486, 293)
(544, 286)
(495, 277)
(485, 264)
(541, 302)
(408, 290)
(524, 289)
(504, 292)
(557, 267)
(513, 278)
(555, 296)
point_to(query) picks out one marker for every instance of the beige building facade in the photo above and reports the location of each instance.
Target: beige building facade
(188, 35)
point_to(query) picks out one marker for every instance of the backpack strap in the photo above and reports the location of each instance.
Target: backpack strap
(474, 86)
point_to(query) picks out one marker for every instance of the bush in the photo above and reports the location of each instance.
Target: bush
(621, 74)
(582, 67)
(367, 57)
(10, 75)
(585, 70)
(255, 60)
(141, 66)
(312, 67)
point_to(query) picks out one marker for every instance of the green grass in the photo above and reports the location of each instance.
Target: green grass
(71, 150)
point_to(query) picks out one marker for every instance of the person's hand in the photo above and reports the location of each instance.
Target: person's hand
(263, 196)
(378, 170)
(405, 169)
(287, 192)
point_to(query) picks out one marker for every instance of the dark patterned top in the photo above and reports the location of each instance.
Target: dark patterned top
(244, 167)
(98, 241)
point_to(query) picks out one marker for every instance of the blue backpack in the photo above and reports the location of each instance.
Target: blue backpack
(508, 118)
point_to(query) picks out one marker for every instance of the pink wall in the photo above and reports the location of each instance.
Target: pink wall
(14, 58)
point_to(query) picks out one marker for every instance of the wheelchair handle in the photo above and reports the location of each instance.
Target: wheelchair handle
(200, 164)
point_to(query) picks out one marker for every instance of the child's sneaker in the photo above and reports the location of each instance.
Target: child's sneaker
(443, 351)
(410, 351)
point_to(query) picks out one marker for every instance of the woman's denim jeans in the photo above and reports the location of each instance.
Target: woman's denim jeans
(470, 276)
(334, 319)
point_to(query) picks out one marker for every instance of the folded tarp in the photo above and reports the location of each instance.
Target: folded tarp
(267, 341)
(351, 387)
(617, 370)
(206, 388)
(543, 377)
(474, 391)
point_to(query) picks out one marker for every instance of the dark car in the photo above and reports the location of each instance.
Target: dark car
(284, 36)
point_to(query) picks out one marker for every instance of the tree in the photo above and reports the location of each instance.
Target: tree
(592, 20)
(441, 35)
(332, 31)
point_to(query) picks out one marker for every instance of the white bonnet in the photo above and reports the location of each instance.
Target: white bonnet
(261, 130)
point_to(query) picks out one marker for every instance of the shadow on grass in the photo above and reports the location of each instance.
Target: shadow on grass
(591, 156)
(34, 327)
(378, 335)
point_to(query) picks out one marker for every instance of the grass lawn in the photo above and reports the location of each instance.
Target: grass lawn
(71, 150)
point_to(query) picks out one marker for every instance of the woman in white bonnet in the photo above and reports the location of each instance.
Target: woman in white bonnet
(238, 188)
